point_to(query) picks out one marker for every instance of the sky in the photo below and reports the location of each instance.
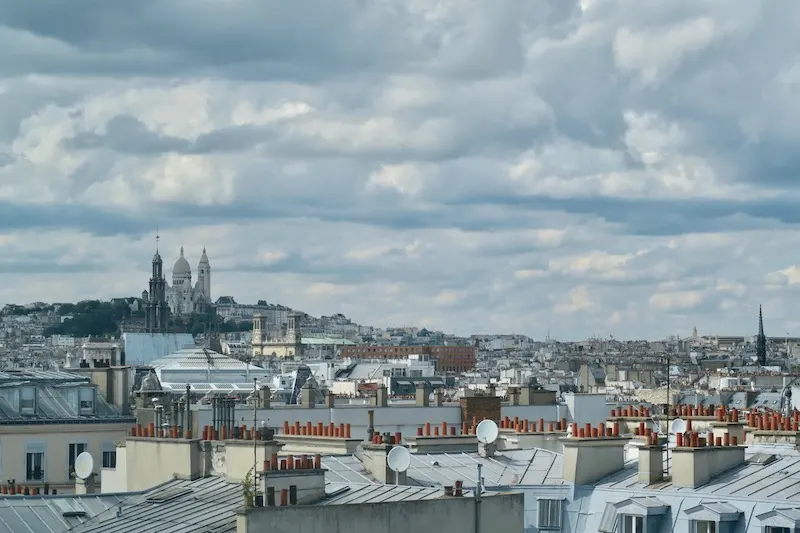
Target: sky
(577, 168)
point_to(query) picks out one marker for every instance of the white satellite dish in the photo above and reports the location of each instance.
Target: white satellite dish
(487, 432)
(678, 426)
(84, 464)
(399, 459)
(651, 425)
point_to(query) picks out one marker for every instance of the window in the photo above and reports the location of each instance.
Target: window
(769, 529)
(704, 526)
(34, 461)
(75, 449)
(549, 514)
(109, 459)
(633, 524)
(27, 400)
(86, 400)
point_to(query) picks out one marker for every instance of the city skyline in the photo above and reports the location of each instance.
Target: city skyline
(579, 168)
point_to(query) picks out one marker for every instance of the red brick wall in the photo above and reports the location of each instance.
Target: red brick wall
(480, 407)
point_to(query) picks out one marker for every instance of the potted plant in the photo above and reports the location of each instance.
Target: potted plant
(249, 489)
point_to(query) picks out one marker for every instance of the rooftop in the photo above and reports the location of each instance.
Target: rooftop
(201, 359)
(52, 514)
(503, 469)
(209, 505)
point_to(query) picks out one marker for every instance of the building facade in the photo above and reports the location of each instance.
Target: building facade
(285, 342)
(47, 420)
(455, 359)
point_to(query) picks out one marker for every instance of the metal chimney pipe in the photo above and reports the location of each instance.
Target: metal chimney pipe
(370, 425)
(188, 426)
(214, 412)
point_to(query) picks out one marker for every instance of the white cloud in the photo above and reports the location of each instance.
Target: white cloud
(580, 168)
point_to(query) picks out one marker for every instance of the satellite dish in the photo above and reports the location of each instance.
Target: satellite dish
(678, 426)
(399, 459)
(486, 432)
(651, 425)
(84, 464)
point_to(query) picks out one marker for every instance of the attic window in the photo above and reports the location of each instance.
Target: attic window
(762, 459)
(27, 400)
(69, 507)
(86, 400)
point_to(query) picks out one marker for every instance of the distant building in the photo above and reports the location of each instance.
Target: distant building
(448, 358)
(185, 298)
(284, 343)
(47, 419)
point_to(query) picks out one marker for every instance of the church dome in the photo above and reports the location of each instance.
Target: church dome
(181, 267)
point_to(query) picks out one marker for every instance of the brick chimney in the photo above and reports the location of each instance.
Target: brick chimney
(697, 460)
(589, 458)
(302, 474)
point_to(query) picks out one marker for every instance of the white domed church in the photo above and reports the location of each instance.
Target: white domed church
(183, 297)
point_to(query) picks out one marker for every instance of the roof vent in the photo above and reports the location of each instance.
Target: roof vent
(167, 495)
(69, 507)
(762, 459)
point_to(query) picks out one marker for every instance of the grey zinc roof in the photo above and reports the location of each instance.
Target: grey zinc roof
(343, 493)
(209, 505)
(46, 514)
(506, 468)
(778, 480)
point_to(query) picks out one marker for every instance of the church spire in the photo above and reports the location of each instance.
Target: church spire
(761, 340)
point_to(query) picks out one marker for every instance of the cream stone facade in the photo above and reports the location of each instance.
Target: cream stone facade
(58, 444)
(286, 342)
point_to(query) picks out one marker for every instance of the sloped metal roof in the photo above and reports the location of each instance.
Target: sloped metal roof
(44, 514)
(144, 348)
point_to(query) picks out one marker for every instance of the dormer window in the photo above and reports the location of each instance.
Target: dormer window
(86, 400)
(27, 400)
(713, 517)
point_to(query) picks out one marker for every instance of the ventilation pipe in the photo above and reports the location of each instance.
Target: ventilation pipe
(370, 425)
(188, 424)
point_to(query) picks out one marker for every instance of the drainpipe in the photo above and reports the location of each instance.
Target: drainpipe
(478, 490)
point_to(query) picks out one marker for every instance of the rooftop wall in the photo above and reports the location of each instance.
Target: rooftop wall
(499, 512)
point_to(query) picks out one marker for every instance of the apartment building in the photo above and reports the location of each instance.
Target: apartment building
(47, 419)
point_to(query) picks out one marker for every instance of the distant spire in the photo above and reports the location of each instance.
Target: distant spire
(158, 237)
(761, 340)
(181, 251)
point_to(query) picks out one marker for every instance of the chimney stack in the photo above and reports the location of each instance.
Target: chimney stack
(651, 461)
(589, 458)
(423, 395)
(381, 398)
(697, 460)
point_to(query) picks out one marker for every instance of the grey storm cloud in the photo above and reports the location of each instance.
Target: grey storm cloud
(568, 166)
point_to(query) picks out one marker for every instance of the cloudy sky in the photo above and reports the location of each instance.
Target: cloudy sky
(584, 167)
